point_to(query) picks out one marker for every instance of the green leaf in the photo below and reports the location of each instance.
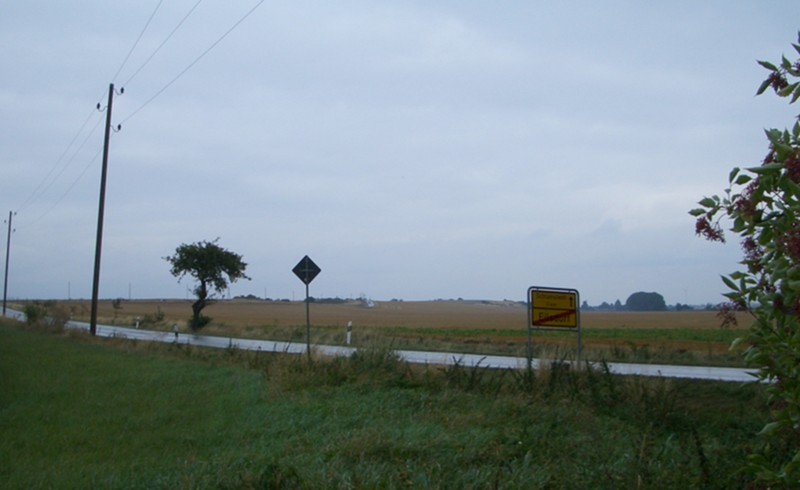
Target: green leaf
(697, 212)
(763, 87)
(794, 188)
(796, 94)
(768, 65)
(770, 428)
(728, 282)
(796, 47)
(787, 90)
(774, 135)
(765, 169)
(737, 275)
(732, 296)
(743, 179)
(708, 202)
(733, 174)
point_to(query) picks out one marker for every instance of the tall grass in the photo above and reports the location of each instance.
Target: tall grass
(81, 412)
(707, 347)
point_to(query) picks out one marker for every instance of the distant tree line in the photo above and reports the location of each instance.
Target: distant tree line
(642, 301)
(333, 301)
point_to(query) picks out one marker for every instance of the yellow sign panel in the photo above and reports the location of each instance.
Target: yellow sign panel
(555, 318)
(554, 299)
(554, 308)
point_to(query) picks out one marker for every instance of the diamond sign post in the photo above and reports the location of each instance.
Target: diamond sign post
(307, 270)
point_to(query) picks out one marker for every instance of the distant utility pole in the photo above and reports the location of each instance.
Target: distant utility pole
(100, 212)
(8, 253)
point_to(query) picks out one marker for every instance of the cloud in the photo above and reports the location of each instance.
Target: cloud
(413, 150)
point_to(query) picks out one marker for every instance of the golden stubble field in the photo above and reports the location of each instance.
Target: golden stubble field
(489, 327)
(469, 315)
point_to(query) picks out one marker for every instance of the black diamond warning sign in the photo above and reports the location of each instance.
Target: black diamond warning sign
(306, 270)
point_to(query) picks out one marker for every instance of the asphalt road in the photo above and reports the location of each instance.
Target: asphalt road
(417, 357)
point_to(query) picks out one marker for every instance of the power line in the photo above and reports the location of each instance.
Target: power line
(50, 178)
(169, 36)
(135, 43)
(43, 185)
(190, 65)
(88, 165)
(66, 192)
(74, 155)
(47, 182)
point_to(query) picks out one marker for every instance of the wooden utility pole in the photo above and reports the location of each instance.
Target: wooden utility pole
(8, 253)
(100, 212)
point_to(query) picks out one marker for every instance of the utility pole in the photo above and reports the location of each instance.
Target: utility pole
(100, 212)
(8, 253)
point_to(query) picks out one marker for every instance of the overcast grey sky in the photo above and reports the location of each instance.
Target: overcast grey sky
(414, 150)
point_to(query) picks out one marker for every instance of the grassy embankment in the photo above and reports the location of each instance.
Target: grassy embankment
(685, 337)
(82, 412)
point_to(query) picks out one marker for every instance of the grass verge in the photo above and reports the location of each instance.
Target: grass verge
(79, 412)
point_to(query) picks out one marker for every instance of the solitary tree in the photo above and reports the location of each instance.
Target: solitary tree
(642, 301)
(212, 266)
(763, 206)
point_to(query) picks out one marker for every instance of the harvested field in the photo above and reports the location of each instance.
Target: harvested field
(247, 313)
(490, 327)
(501, 315)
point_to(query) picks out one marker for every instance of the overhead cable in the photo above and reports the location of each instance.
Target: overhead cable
(135, 43)
(44, 184)
(47, 182)
(190, 65)
(155, 51)
(66, 192)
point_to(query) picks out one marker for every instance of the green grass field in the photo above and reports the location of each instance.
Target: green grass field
(81, 412)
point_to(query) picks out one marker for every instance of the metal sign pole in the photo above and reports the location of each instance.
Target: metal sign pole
(308, 325)
(306, 270)
(578, 312)
(530, 338)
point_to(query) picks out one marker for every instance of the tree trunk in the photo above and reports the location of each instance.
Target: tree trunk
(197, 306)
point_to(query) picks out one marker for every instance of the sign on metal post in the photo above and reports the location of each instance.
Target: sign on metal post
(307, 270)
(553, 309)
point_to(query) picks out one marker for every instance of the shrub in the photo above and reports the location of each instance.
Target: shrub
(46, 314)
(763, 208)
(34, 313)
(153, 319)
(198, 322)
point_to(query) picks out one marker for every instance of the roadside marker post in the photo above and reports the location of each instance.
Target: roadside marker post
(553, 309)
(307, 270)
